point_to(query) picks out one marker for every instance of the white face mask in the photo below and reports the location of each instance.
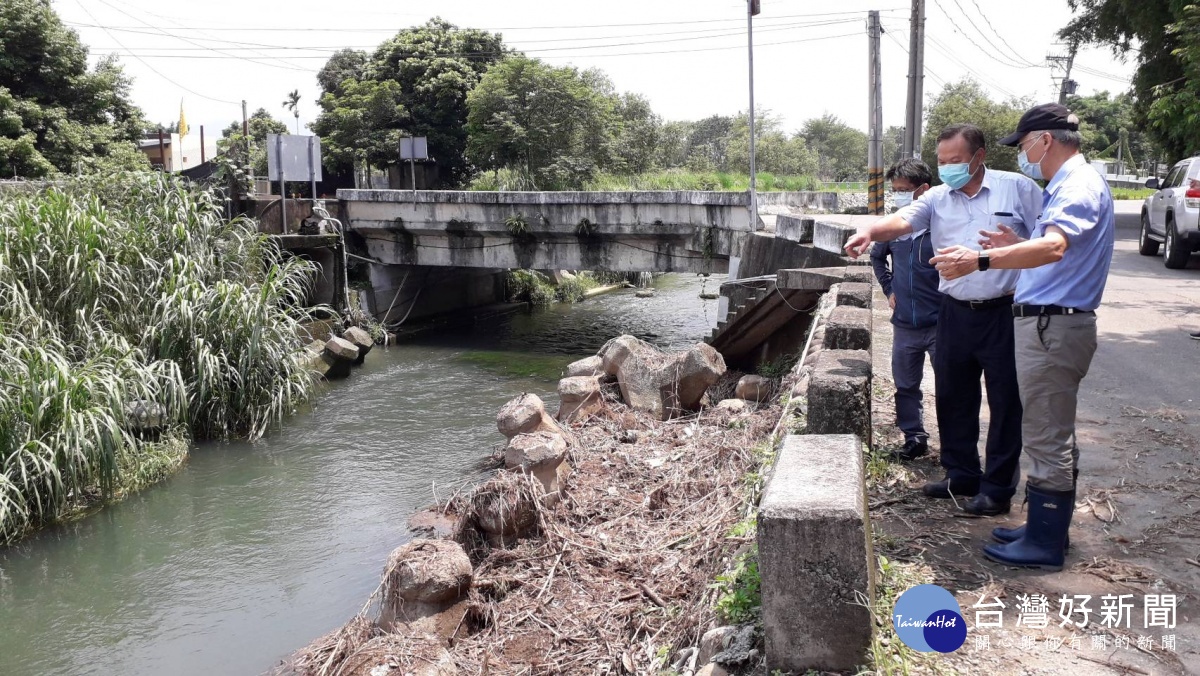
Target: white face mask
(902, 199)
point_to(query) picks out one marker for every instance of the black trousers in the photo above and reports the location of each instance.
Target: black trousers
(971, 343)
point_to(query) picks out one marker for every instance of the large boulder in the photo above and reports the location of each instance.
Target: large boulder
(579, 398)
(424, 586)
(341, 355)
(361, 339)
(753, 388)
(661, 384)
(505, 508)
(696, 371)
(523, 415)
(542, 454)
(592, 366)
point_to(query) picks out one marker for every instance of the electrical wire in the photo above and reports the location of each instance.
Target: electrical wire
(155, 70)
(551, 56)
(1007, 63)
(739, 20)
(205, 47)
(928, 71)
(949, 54)
(1003, 41)
(1016, 63)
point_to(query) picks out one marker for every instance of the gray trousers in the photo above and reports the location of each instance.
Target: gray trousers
(1051, 362)
(908, 366)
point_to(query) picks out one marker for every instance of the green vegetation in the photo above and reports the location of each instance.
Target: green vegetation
(533, 287)
(57, 115)
(127, 292)
(780, 366)
(739, 590)
(542, 367)
(1131, 193)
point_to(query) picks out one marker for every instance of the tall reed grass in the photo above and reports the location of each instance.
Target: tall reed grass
(133, 290)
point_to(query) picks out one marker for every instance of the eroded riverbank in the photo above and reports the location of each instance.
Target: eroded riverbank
(254, 549)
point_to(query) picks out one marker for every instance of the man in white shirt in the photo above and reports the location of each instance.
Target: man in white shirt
(975, 327)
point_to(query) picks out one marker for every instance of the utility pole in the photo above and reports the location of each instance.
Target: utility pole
(916, 81)
(875, 118)
(1066, 86)
(752, 8)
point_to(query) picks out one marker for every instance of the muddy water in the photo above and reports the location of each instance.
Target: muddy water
(253, 550)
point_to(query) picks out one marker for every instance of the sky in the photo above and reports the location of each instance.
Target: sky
(689, 57)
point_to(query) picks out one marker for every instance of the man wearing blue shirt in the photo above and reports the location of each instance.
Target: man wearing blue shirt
(975, 327)
(911, 286)
(1064, 266)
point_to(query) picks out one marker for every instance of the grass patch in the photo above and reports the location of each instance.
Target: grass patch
(889, 656)
(739, 590)
(663, 179)
(516, 364)
(778, 367)
(1131, 193)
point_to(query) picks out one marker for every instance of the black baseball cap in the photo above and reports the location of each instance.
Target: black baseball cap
(1046, 117)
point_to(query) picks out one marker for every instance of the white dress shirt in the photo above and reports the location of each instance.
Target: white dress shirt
(954, 218)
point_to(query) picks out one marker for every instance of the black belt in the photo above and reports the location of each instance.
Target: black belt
(1040, 310)
(982, 304)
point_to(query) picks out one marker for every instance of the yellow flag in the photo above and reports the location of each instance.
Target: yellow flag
(183, 128)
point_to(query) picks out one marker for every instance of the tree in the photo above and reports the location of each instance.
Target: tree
(841, 149)
(966, 102)
(414, 84)
(233, 142)
(774, 151)
(637, 144)
(56, 114)
(292, 103)
(1166, 86)
(1108, 128)
(555, 124)
(893, 145)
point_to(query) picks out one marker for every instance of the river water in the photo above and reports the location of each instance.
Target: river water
(253, 550)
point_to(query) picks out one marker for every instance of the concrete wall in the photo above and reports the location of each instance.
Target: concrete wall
(429, 291)
(814, 534)
(618, 231)
(806, 199)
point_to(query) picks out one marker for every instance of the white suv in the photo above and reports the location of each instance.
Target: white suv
(1171, 215)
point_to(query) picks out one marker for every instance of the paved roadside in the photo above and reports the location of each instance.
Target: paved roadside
(1137, 522)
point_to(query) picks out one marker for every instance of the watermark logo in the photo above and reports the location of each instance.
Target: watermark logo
(928, 619)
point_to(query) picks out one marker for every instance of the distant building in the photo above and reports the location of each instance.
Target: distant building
(179, 154)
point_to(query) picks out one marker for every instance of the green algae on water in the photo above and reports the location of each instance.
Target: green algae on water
(548, 367)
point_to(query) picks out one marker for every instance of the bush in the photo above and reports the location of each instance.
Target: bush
(133, 288)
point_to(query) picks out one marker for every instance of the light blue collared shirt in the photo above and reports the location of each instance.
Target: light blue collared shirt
(1079, 203)
(954, 218)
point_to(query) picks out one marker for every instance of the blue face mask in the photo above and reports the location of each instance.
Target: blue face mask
(1028, 168)
(956, 175)
(902, 199)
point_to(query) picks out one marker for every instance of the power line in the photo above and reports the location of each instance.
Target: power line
(1017, 64)
(1001, 37)
(949, 54)
(928, 71)
(155, 70)
(247, 59)
(509, 28)
(373, 46)
(738, 33)
(1004, 62)
(552, 56)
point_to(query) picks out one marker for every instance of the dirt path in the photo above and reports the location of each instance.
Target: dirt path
(1135, 529)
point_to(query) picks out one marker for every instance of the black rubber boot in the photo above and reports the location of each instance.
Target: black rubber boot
(1043, 544)
(1006, 535)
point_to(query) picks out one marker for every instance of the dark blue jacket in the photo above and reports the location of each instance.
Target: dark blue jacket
(911, 278)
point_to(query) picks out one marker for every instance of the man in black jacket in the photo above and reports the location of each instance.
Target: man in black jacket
(911, 285)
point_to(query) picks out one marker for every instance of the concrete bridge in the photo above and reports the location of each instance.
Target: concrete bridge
(669, 231)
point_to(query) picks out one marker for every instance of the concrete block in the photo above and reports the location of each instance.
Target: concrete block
(810, 279)
(860, 272)
(832, 237)
(854, 294)
(848, 328)
(794, 228)
(815, 556)
(839, 393)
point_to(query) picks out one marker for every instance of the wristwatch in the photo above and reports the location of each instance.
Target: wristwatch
(984, 261)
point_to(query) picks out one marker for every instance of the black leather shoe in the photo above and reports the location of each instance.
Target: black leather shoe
(942, 489)
(985, 505)
(913, 449)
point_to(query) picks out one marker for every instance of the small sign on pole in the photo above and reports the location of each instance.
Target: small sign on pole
(293, 158)
(414, 148)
